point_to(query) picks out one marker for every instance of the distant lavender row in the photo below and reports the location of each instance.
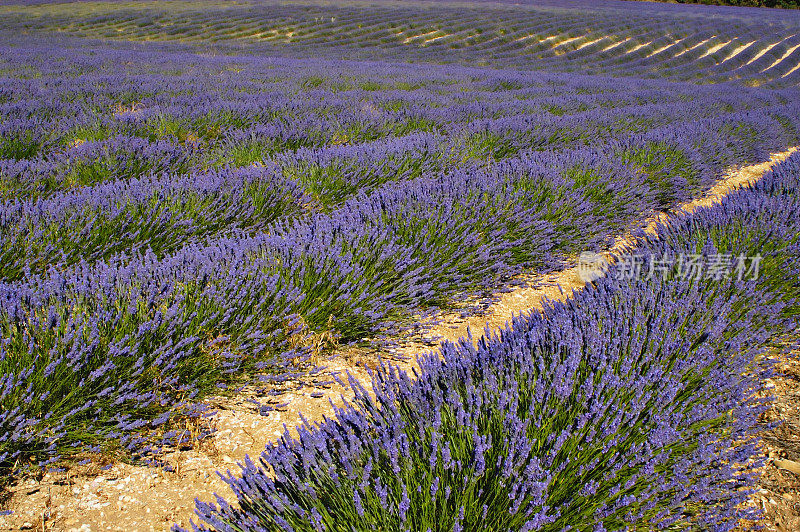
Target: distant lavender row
(241, 110)
(631, 405)
(124, 154)
(693, 43)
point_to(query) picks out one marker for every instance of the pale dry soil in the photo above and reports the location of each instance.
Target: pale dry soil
(120, 496)
(778, 493)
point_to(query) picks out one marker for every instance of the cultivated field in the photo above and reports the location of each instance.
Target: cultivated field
(211, 212)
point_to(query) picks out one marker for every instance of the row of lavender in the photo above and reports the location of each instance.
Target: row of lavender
(78, 171)
(691, 43)
(141, 273)
(633, 405)
(240, 110)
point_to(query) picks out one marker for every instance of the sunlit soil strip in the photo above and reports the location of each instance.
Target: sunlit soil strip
(735, 180)
(548, 39)
(421, 36)
(792, 70)
(589, 43)
(737, 51)
(567, 41)
(267, 35)
(716, 48)
(696, 46)
(638, 47)
(665, 48)
(762, 52)
(262, 35)
(459, 36)
(526, 37)
(784, 56)
(616, 44)
(434, 39)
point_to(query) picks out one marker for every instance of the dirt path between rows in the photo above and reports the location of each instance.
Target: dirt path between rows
(121, 496)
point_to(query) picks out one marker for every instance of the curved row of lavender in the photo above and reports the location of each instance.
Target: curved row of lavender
(631, 406)
(693, 43)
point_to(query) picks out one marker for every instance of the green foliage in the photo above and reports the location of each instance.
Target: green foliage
(661, 163)
(162, 224)
(332, 183)
(23, 145)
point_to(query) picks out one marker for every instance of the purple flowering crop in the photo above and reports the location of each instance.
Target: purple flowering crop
(629, 405)
(178, 218)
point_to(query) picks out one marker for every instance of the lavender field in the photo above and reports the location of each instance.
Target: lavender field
(202, 199)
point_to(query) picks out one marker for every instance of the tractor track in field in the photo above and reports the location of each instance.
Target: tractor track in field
(113, 495)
